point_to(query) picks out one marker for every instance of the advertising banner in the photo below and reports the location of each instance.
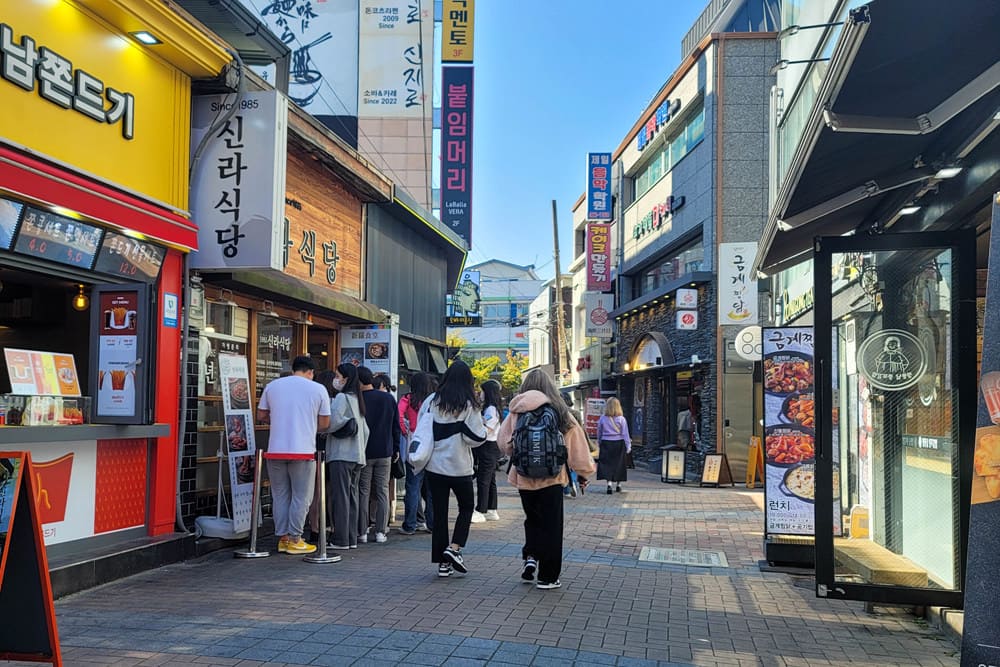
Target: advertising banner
(238, 184)
(375, 347)
(737, 284)
(789, 434)
(456, 150)
(598, 186)
(241, 448)
(593, 411)
(598, 321)
(458, 19)
(598, 257)
(464, 304)
(391, 55)
(118, 354)
(35, 373)
(981, 629)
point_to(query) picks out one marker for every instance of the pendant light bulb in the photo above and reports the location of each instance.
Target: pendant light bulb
(81, 301)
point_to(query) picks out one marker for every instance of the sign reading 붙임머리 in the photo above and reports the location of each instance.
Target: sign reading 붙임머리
(737, 284)
(456, 149)
(238, 188)
(241, 448)
(598, 186)
(598, 321)
(598, 257)
(458, 23)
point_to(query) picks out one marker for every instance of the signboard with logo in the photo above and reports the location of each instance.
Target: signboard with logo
(464, 304)
(687, 297)
(456, 149)
(598, 186)
(737, 284)
(458, 22)
(687, 320)
(598, 257)
(391, 54)
(892, 360)
(598, 321)
(659, 218)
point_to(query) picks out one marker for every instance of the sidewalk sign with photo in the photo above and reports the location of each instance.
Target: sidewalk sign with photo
(238, 436)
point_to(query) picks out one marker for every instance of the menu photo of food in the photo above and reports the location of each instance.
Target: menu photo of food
(788, 372)
(800, 482)
(245, 468)
(239, 394)
(116, 371)
(786, 446)
(236, 433)
(986, 466)
(355, 356)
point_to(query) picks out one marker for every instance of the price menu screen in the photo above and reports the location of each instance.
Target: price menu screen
(10, 212)
(124, 256)
(57, 238)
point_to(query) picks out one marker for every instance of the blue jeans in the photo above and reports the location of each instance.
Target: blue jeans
(411, 503)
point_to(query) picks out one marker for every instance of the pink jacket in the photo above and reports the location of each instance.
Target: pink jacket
(577, 449)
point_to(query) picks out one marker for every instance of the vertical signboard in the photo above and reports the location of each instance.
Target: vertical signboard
(458, 19)
(598, 186)
(456, 150)
(120, 315)
(593, 410)
(238, 188)
(391, 55)
(598, 321)
(737, 285)
(374, 347)
(981, 629)
(598, 257)
(789, 436)
(241, 447)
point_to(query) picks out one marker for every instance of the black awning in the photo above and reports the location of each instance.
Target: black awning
(911, 87)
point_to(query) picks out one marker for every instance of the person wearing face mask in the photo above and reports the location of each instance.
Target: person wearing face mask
(346, 456)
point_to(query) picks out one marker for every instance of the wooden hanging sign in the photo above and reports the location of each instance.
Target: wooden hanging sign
(716, 471)
(28, 632)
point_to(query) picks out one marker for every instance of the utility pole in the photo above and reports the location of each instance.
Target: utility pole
(560, 325)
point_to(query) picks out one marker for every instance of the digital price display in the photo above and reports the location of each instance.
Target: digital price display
(10, 212)
(57, 238)
(124, 256)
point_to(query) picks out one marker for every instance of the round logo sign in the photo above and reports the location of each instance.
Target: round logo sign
(599, 316)
(687, 318)
(749, 343)
(892, 360)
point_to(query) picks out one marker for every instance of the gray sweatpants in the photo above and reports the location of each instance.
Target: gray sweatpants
(343, 498)
(374, 480)
(292, 485)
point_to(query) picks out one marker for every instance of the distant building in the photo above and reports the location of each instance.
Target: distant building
(543, 320)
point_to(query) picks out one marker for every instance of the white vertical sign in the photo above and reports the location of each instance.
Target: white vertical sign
(597, 306)
(737, 284)
(239, 436)
(393, 59)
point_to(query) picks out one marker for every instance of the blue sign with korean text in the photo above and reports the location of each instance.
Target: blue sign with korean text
(456, 150)
(598, 186)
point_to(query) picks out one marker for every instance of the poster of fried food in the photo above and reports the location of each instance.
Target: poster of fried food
(986, 466)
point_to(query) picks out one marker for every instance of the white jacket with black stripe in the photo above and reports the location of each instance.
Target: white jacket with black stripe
(454, 437)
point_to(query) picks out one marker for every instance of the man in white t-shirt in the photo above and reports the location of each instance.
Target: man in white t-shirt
(296, 408)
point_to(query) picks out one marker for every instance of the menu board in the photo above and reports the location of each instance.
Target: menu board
(789, 431)
(118, 375)
(10, 212)
(368, 346)
(131, 258)
(240, 445)
(34, 373)
(593, 409)
(57, 238)
(274, 349)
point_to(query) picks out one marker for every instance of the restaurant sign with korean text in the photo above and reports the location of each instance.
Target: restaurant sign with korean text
(456, 150)
(598, 186)
(667, 110)
(659, 218)
(458, 19)
(238, 185)
(391, 57)
(598, 257)
(737, 284)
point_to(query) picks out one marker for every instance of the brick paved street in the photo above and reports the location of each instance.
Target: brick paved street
(383, 604)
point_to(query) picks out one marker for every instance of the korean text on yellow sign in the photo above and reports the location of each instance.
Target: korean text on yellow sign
(457, 20)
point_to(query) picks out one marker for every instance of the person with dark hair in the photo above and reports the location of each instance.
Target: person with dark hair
(542, 498)
(414, 517)
(487, 455)
(383, 425)
(458, 427)
(325, 379)
(346, 456)
(296, 408)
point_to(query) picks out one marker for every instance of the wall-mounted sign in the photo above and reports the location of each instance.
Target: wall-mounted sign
(375, 346)
(463, 305)
(391, 54)
(118, 354)
(57, 238)
(127, 257)
(598, 257)
(659, 219)
(749, 343)
(892, 359)
(598, 186)
(687, 320)
(35, 373)
(598, 321)
(687, 297)
(10, 213)
(458, 21)
(660, 117)
(456, 150)
(737, 286)
(238, 193)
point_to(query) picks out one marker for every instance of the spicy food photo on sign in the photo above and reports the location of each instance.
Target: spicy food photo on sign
(789, 445)
(787, 372)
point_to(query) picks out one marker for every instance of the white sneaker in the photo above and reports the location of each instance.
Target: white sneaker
(478, 517)
(362, 539)
(380, 538)
(492, 516)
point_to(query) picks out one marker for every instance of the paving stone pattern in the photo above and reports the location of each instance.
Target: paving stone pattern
(384, 605)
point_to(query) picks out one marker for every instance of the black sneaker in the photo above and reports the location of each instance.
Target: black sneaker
(528, 571)
(548, 585)
(444, 570)
(456, 560)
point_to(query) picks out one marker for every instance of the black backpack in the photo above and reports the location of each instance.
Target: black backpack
(539, 449)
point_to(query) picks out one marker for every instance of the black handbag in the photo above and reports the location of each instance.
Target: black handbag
(398, 468)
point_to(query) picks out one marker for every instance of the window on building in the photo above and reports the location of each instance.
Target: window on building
(677, 145)
(676, 265)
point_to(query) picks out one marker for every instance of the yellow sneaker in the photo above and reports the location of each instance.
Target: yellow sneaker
(283, 545)
(300, 547)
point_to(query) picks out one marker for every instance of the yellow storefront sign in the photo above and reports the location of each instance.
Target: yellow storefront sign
(77, 89)
(457, 23)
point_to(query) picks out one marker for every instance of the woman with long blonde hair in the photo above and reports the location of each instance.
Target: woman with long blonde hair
(614, 443)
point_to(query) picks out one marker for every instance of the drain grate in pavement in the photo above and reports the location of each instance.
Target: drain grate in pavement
(684, 557)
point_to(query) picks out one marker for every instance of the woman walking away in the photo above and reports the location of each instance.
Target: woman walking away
(458, 427)
(542, 497)
(615, 445)
(421, 386)
(487, 455)
(346, 456)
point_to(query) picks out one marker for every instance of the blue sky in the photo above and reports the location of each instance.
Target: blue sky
(555, 80)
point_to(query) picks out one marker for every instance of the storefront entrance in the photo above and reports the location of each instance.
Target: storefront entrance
(895, 388)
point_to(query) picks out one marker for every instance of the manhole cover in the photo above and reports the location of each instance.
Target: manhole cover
(684, 557)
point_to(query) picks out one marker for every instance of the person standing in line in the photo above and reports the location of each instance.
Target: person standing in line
(415, 517)
(296, 408)
(383, 438)
(487, 455)
(615, 444)
(384, 384)
(325, 379)
(542, 498)
(346, 456)
(458, 427)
